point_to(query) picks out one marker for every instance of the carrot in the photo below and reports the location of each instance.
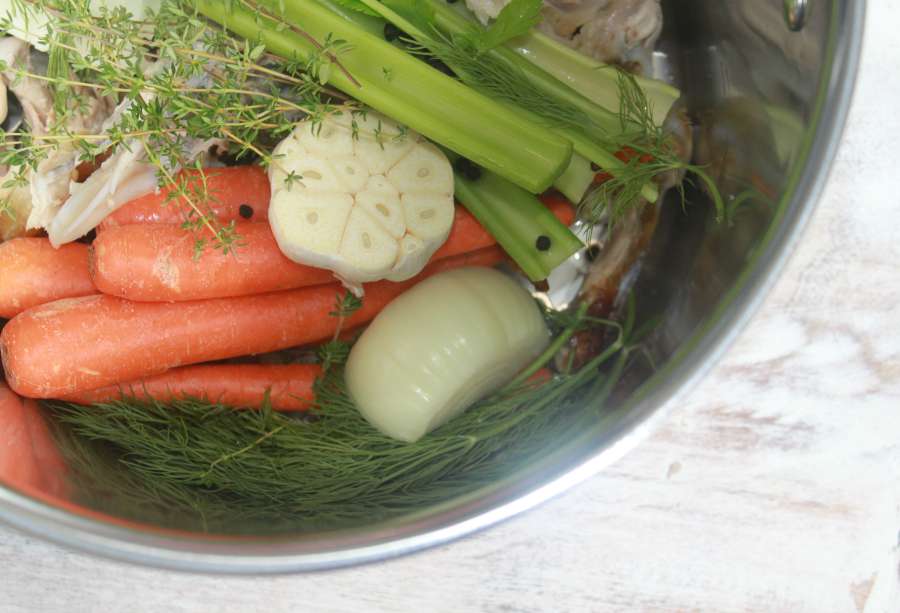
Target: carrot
(560, 205)
(46, 452)
(32, 272)
(238, 193)
(17, 462)
(157, 263)
(290, 386)
(29, 458)
(626, 154)
(79, 344)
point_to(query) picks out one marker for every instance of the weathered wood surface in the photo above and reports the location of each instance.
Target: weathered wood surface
(775, 487)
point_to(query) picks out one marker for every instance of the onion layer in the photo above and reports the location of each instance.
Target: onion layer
(443, 345)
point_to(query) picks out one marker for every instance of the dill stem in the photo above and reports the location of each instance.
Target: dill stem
(561, 339)
(230, 456)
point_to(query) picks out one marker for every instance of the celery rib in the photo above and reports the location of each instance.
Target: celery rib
(519, 221)
(408, 90)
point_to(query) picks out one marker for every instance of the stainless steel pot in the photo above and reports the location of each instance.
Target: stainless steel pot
(769, 84)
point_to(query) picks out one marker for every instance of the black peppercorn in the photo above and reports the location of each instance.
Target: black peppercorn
(245, 211)
(542, 243)
(392, 32)
(467, 168)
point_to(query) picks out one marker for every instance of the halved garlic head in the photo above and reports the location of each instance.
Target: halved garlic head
(440, 347)
(359, 196)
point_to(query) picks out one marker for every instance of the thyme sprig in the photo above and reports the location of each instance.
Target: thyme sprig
(179, 83)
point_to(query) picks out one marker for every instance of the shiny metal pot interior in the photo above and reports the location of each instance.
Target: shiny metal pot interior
(768, 83)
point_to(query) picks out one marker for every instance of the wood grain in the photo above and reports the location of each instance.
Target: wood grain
(775, 487)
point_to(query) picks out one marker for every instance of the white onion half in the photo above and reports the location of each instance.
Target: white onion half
(442, 346)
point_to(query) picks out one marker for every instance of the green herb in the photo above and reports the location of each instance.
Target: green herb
(596, 132)
(651, 156)
(178, 81)
(216, 468)
(335, 351)
(417, 95)
(515, 19)
(346, 305)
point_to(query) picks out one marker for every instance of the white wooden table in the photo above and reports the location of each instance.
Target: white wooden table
(776, 487)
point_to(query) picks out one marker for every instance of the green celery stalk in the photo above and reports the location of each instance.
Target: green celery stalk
(406, 89)
(593, 80)
(371, 24)
(518, 220)
(606, 160)
(576, 180)
(403, 14)
(451, 20)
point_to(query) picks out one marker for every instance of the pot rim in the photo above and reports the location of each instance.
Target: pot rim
(167, 549)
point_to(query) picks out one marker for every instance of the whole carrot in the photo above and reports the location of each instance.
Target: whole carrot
(157, 263)
(290, 386)
(79, 344)
(32, 272)
(237, 193)
(29, 458)
(17, 462)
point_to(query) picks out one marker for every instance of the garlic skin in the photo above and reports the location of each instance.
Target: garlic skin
(359, 196)
(440, 347)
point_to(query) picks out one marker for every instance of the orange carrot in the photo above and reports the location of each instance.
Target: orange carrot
(32, 272)
(560, 205)
(17, 463)
(157, 263)
(29, 458)
(540, 376)
(229, 190)
(79, 344)
(46, 452)
(290, 386)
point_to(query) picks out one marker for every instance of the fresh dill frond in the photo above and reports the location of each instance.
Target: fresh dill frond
(197, 465)
(498, 79)
(333, 471)
(648, 153)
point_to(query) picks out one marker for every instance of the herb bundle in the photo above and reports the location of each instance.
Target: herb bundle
(192, 464)
(179, 84)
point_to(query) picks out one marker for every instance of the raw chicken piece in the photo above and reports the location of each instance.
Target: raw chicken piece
(612, 31)
(50, 182)
(607, 280)
(485, 10)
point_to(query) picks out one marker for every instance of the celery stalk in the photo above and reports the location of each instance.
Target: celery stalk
(598, 79)
(521, 223)
(593, 80)
(452, 20)
(576, 180)
(393, 82)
